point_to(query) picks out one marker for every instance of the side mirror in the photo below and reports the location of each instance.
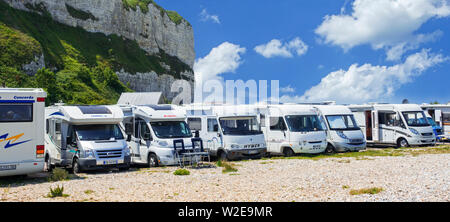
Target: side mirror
(129, 138)
(147, 136)
(197, 134)
(219, 135)
(216, 128)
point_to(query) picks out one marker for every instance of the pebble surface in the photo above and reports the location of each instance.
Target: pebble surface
(403, 178)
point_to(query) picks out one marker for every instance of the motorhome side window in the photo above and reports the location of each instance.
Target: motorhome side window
(16, 113)
(57, 138)
(387, 118)
(277, 123)
(195, 124)
(145, 131)
(213, 126)
(446, 118)
(262, 119)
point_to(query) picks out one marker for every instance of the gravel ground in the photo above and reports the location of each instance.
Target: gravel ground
(403, 178)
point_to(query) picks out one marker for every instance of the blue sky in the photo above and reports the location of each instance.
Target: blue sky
(361, 33)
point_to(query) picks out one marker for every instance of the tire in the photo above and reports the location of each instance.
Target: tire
(222, 155)
(76, 166)
(402, 143)
(152, 160)
(288, 152)
(330, 149)
(48, 164)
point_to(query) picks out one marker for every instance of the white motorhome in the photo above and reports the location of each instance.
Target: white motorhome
(153, 131)
(343, 133)
(85, 138)
(401, 125)
(440, 114)
(21, 131)
(228, 131)
(292, 128)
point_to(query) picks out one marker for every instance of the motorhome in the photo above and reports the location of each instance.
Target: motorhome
(440, 114)
(290, 129)
(21, 131)
(343, 133)
(85, 138)
(153, 131)
(401, 125)
(228, 131)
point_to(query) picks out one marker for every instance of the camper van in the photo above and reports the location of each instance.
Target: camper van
(228, 131)
(343, 133)
(290, 129)
(153, 130)
(401, 125)
(21, 131)
(440, 116)
(85, 138)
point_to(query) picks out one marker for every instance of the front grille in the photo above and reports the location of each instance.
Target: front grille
(104, 154)
(356, 141)
(251, 146)
(427, 134)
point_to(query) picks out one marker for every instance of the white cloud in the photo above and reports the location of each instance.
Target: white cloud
(205, 16)
(388, 24)
(276, 48)
(367, 82)
(222, 59)
(287, 89)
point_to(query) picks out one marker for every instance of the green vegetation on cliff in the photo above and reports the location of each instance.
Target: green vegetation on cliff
(143, 4)
(81, 64)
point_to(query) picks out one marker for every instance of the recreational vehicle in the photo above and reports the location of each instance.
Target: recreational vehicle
(440, 114)
(85, 138)
(290, 129)
(21, 131)
(153, 132)
(401, 125)
(343, 133)
(228, 131)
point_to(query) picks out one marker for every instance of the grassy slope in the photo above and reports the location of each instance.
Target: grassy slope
(85, 62)
(143, 4)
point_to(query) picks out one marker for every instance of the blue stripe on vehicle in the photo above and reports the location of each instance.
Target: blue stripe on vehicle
(17, 101)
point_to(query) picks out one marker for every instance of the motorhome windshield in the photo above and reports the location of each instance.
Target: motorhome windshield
(342, 122)
(98, 132)
(171, 129)
(303, 123)
(240, 126)
(415, 118)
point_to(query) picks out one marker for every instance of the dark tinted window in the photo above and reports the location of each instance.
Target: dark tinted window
(195, 123)
(277, 123)
(16, 112)
(94, 110)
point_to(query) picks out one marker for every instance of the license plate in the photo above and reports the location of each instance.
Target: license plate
(316, 146)
(110, 162)
(7, 167)
(253, 152)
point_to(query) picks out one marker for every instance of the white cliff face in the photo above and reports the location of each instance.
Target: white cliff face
(152, 30)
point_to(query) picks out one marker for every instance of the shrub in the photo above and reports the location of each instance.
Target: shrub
(181, 172)
(57, 192)
(228, 168)
(59, 174)
(373, 190)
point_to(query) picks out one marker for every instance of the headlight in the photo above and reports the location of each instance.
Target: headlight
(127, 151)
(341, 134)
(235, 146)
(88, 154)
(414, 131)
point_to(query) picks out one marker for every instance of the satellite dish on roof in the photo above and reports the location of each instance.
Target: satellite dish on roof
(405, 101)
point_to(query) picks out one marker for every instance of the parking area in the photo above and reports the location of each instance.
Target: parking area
(409, 174)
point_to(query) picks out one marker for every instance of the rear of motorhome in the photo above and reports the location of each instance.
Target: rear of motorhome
(401, 125)
(290, 129)
(228, 131)
(153, 132)
(85, 138)
(440, 116)
(21, 131)
(343, 133)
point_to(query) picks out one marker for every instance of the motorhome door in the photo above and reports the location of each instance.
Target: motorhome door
(375, 127)
(276, 134)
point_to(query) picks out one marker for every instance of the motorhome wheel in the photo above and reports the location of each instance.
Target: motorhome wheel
(222, 155)
(152, 160)
(330, 149)
(48, 164)
(402, 143)
(76, 166)
(288, 152)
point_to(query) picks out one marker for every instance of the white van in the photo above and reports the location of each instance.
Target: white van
(343, 133)
(440, 114)
(401, 125)
(21, 131)
(290, 129)
(85, 138)
(228, 131)
(153, 130)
